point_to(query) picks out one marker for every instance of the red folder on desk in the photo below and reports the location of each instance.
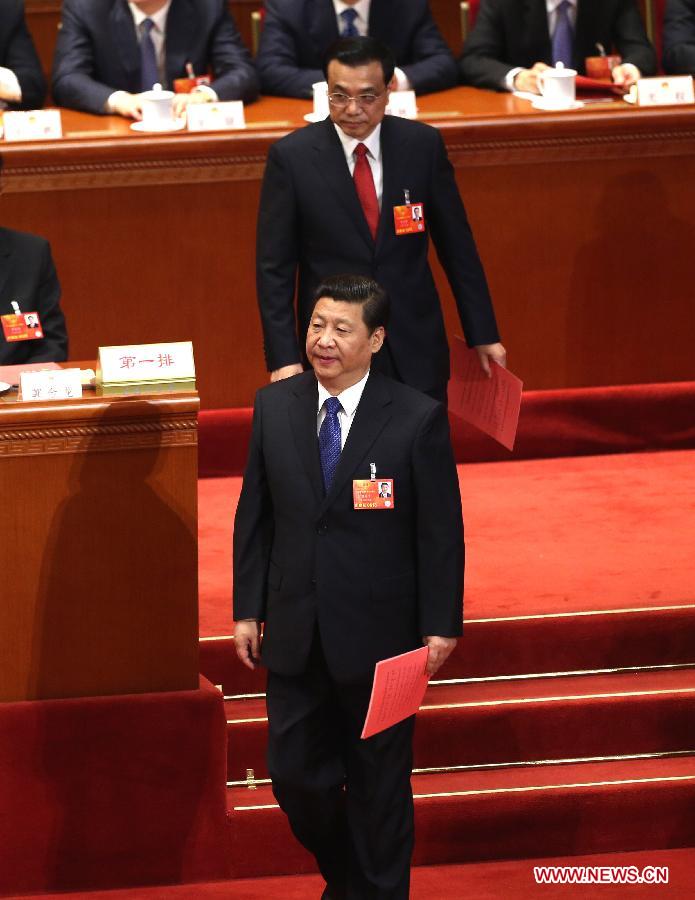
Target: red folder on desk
(594, 86)
(491, 404)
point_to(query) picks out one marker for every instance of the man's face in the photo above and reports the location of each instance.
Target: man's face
(358, 120)
(338, 344)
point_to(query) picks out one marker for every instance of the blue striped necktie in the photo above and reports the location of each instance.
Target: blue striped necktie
(349, 28)
(563, 36)
(329, 441)
(149, 70)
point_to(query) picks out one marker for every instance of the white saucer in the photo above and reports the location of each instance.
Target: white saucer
(4, 386)
(548, 107)
(312, 117)
(176, 125)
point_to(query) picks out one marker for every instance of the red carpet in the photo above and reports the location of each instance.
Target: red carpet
(511, 879)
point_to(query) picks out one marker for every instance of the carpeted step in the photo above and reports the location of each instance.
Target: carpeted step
(511, 722)
(474, 881)
(573, 564)
(545, 810)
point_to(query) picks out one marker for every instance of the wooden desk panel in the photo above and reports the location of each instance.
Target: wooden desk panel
(584, 222)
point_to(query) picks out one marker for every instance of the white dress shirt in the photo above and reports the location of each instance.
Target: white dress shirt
(10, 90)
(551, 9)
(349, 401)
(158, 35)
(362, 26)
(373, 145)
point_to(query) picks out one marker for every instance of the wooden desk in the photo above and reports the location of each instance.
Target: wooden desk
(585, 222)
(99, 592)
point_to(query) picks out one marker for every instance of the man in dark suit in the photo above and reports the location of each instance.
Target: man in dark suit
(110, 51)
(297, 33)
(28, 279)
(22, 85)
(310, 565)
(513, 40)
(679, 37)
(327, 205)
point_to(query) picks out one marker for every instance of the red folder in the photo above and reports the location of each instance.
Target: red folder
(399, 686)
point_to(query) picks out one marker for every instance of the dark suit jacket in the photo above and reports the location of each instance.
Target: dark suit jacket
(310, 221)
(28, 276)
(375, 581)
(98, 52)
(297, 33)
(510, 33)
(679, 37)
(17, 52)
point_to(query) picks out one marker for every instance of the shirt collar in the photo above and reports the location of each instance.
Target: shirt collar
(552, 5)
(159, 18)
(349, 398)
(372, 142)
(361, 8)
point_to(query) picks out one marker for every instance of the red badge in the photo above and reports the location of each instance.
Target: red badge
(409, 219)
(373, 494)
(22, 327)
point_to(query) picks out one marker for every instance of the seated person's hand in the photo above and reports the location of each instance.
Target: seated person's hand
(625, 75)
(127, 105)
(181, 101)
(527, 79)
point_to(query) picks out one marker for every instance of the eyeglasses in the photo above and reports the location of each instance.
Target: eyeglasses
(364, 101)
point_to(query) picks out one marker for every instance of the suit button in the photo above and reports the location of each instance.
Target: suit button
(322, 528)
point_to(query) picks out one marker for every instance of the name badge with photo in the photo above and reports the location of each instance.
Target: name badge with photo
(22, 327)
(373, 494)
(409, 219)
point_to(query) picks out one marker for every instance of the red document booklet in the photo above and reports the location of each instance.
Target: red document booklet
(399, 686)
(491, 404)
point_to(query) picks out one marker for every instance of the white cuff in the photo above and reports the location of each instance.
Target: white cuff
(510, 76)
(9, 86)
(402, 83)
(111, 103)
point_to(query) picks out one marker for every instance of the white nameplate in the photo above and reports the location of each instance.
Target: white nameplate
(35, 125)
(147, 362)
(57, 384)
(216, 116)
(403, 104)
(671, 91)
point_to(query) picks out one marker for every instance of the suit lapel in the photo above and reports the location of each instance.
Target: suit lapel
(330, 161)
(381, 20)
(394, 159)
(370, 419)
(180, 37)
(126, 42)
(321, 24)
(5, 268)
(536, 30)
(302, 412)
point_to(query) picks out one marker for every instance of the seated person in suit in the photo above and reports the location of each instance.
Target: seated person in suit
(679, 37)
(110, 51)
(22, 84)
(513, 41)
(28, 282)
(297, 33)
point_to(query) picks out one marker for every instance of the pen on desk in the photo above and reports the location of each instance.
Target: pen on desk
(601, 49)
(190, 71)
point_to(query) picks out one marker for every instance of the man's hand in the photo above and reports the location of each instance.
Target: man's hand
(286, 372)
(527, 79)
(127, 105)
(247, 640)
(440, 648)
(486, 352)
(625, 75)
(182, 101)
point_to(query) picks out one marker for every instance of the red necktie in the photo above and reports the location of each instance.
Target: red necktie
(364, 185)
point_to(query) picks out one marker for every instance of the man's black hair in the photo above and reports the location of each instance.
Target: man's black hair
(358, 289)
(360, 51)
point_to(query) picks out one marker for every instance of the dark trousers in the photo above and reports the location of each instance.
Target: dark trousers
(348, 801)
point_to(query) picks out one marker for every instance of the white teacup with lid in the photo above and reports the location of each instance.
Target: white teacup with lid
(557, 87)
(157, 109)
